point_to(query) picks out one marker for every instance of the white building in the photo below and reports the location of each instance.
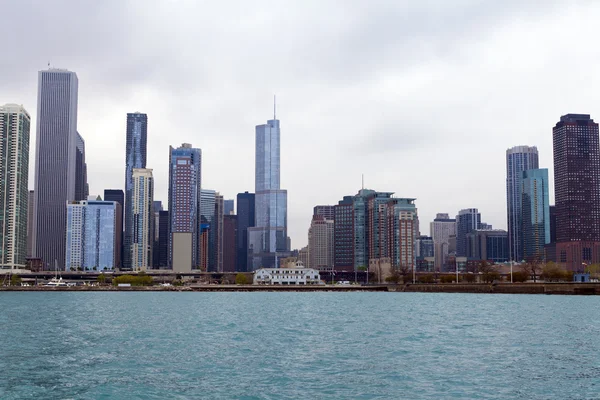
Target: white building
(14, 167)
(143, 219)
(287, 276)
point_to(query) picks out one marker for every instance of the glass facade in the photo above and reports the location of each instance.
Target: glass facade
(245, 220)
(535, 213)
(267, 240)
(91, 235)
(518, 159)
(135, 157)
(467, 221)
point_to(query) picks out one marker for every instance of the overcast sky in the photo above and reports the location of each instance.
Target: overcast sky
(423, 97)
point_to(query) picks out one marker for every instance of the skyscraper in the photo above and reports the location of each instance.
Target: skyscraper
(245, 220)
(325, 211)
(118, 196)
(184, 206)
(535, 214)
(320, 243)
(577, 190)
(56, 163)
(14, 169)
(229, 242)
(344, 234)
(81, 183)
(228, 207)
(268, 239)
(467, 221)
(218, 231)
(92, 242)
(30, 200)
(518, 159)
(442, 228)
(207, 213)
(135, 157)
(143, 219)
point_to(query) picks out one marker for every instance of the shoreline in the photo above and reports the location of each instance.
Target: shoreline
(562, 288)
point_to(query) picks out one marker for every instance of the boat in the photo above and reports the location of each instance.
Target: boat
(56, 281)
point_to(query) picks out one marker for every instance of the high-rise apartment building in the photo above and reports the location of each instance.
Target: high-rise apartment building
(135, 157)
(92, 228)
(467, 221)
(577, 190)
(267, 241)
(184, 206)
(402, 232)
(143, 219)
(218, 231)
(56, 163)
(535, 214)
(245, 220)
(320, 243)
(117, 195)
(14, 195)
(442, 229)
(518, 160)
(344, 234)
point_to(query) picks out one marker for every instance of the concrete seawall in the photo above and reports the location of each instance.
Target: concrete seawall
(506, 288)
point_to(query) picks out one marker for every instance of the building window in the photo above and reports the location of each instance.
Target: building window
(563, 256)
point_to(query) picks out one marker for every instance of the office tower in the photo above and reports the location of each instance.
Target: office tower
(518, 159)
(117, 195)
(207, 213)
(344, 234)
(92, 228)
(325, 211)
(204, 243)
(184, 207)
(218, 231)
(135, 157)
(489, 245)
(467, 220)
(30, 200)
(245, 220)
(577, 190)
(143, 219)
(441, 229)
(320, 243)
(228, 207)
(160, 250)
(229, 243)
(81, 183)
(535, 214)
(424, 246)
(14, 194)
(267, 241)
(56, 163)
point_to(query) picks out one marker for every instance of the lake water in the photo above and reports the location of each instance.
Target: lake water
(298, 345)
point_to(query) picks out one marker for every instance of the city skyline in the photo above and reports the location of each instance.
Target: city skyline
(373, 110)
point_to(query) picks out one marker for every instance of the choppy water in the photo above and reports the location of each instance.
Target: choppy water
(298, 345)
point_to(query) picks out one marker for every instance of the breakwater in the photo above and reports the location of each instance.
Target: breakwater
(502, 288)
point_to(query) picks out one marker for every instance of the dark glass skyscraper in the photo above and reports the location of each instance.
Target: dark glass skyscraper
(467, 221)
(577, 190)
(56, 163)
(135, 157)
(245, 220)
(535, 214)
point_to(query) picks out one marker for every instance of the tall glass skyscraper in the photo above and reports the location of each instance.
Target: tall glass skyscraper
(268, 239)
(135, 157)
(14, 195)
(245, 220)
(56, 163)
(535, 213)
(92, 242)
(518, 159)
(184, 198)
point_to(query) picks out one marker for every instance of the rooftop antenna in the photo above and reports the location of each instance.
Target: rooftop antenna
(363, 181)
(274, 106)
